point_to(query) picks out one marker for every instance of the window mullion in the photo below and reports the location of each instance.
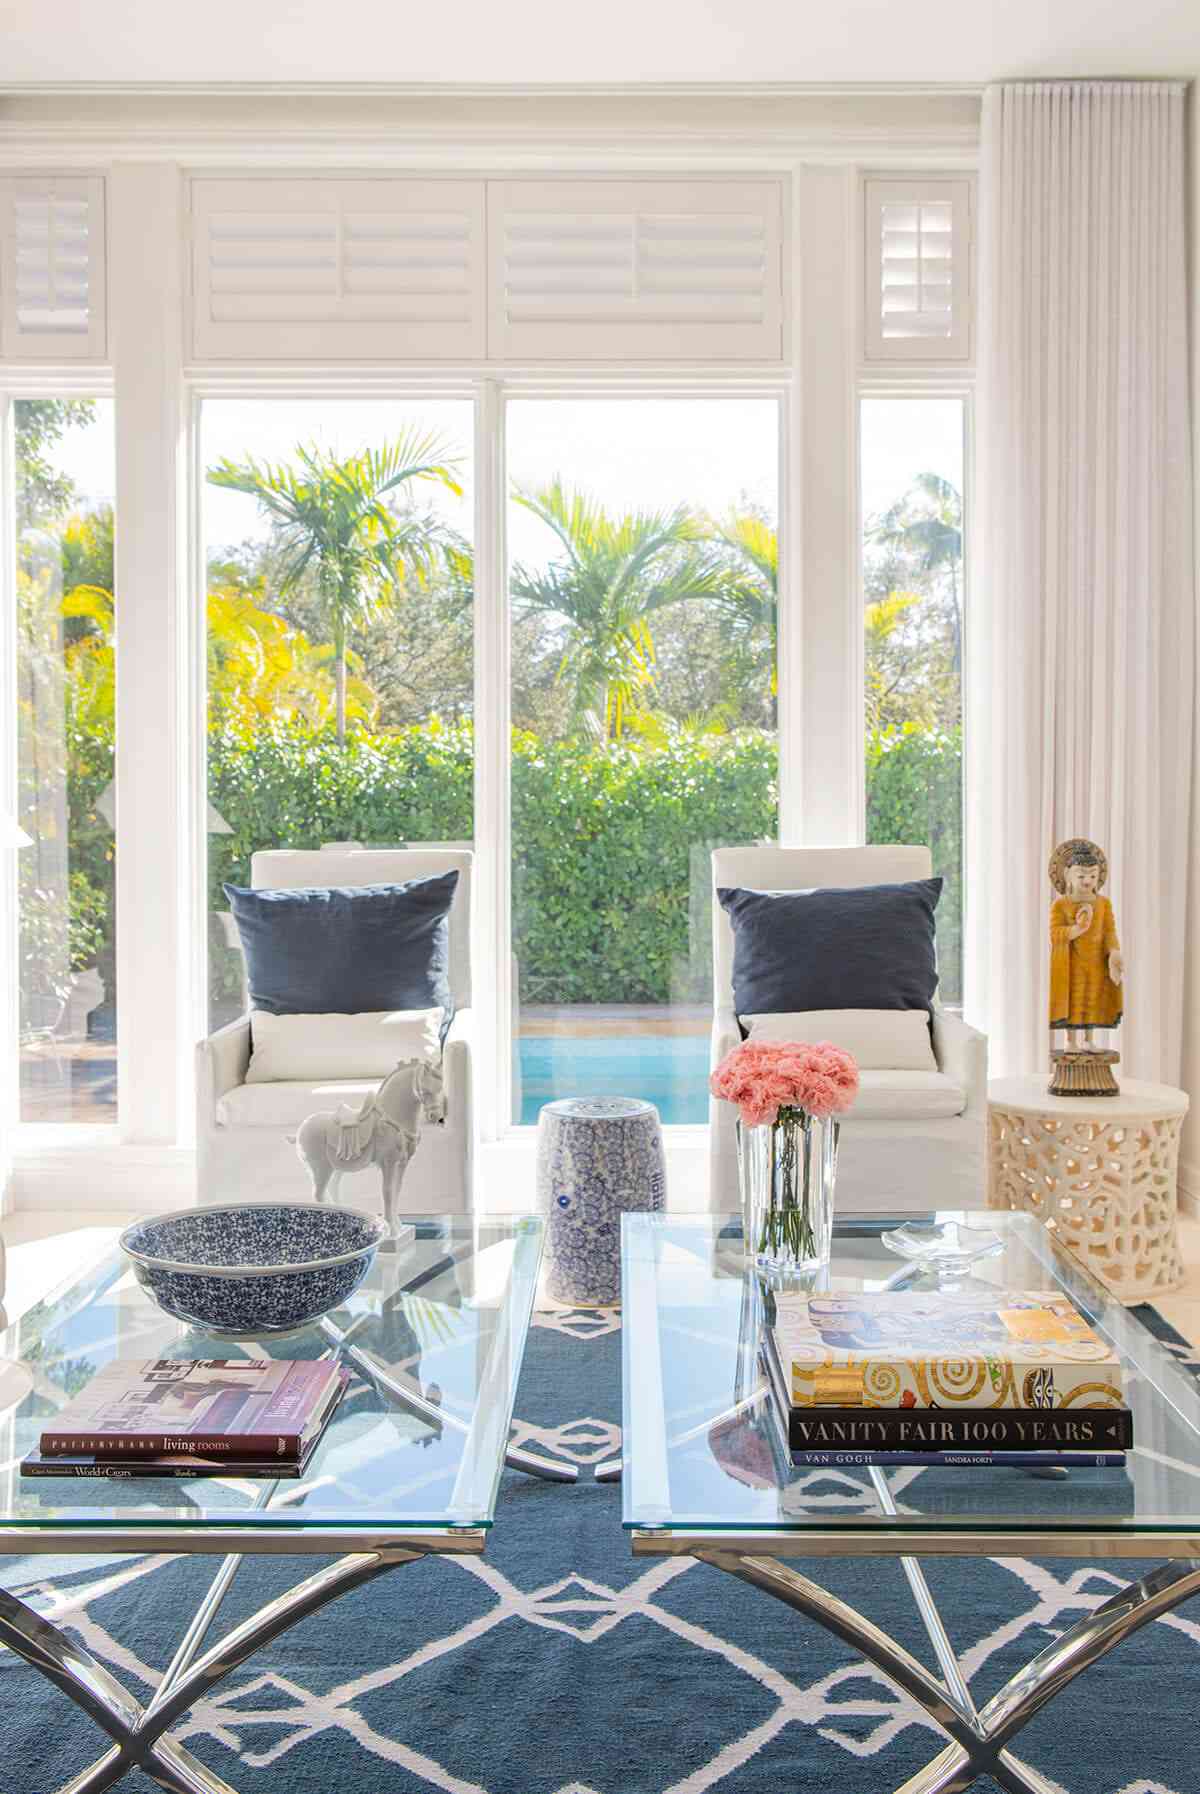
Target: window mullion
(829, 701)
(152, 811)
(492, 995)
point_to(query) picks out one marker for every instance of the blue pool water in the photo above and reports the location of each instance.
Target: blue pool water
(669, 1071)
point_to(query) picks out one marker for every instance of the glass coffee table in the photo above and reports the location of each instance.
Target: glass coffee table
(704, 1474)
(408, 1466)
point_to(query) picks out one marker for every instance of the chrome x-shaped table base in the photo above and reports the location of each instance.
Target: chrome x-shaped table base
(979, 1736)
(139, 1733)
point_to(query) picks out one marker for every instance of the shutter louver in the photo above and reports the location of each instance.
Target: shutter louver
(54, 272)
(918, 270)
(338, 269)
(669, 270)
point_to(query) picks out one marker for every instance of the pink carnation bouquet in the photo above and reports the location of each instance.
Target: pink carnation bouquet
(783, 1090)
(764, 1076)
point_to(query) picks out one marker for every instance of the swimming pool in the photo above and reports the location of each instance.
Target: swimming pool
(670, 1071)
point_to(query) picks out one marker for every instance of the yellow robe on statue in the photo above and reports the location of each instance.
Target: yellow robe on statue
(1082, 995)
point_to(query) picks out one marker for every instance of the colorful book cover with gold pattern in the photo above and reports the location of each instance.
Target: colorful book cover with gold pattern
(918, 1349)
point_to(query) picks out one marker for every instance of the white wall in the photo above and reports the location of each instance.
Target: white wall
(531, 41)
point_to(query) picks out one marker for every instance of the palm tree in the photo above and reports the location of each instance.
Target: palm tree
(924, 528)
(613, 575)
(336, 520)
(750, 593)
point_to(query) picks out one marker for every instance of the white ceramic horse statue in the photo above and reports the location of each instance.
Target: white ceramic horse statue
(385, 1131)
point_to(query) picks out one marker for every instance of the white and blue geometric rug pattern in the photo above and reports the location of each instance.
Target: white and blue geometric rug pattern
(557, 1664)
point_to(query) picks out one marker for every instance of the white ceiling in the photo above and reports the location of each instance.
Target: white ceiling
(618, 41)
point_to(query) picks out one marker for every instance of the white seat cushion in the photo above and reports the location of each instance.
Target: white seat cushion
(877, 1039)
(906, 1096)
(289, 1048)
(285, 1105)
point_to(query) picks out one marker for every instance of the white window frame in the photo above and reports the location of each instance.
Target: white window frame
(492, 906)
(819, 383)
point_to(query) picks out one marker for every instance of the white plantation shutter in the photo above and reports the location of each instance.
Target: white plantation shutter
(918, 270)
(338, 269)
(650, 269)
(53, 276)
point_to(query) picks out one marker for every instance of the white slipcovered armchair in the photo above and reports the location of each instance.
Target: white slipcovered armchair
(914, 1141)
(243, 1144)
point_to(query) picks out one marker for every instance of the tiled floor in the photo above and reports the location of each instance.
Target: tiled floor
(45, 1248)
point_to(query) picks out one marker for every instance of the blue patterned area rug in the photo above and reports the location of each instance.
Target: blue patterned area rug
(556, 1664)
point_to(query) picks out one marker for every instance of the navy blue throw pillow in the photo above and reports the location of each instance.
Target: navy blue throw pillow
(867, 947)
(347, 949)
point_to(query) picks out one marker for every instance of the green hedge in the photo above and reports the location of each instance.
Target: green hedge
(611, 843)
(914, 794)
(294, 787)
(610, 869)
(610, 863)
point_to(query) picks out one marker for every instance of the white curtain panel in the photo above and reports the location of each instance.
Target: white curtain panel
(1081, 648)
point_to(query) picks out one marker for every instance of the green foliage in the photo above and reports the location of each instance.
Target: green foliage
(610, 838)
(914, 795)
(612, 577)
(912, 571)
(643, 654)
(260, 667)
(43, 491)
(56, 941)
(87, 548)
(65, 735)
(748, 600)
(606, 839)
(295, 786)
(88, 921)
(337, 523)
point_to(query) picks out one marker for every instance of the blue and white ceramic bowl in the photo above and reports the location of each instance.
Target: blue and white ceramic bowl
(253, 1267)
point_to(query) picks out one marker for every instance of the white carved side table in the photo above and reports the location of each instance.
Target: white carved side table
(1099, 1170)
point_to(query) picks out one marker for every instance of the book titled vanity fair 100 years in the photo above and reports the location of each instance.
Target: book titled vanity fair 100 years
(932, 1370)
(241, 1407)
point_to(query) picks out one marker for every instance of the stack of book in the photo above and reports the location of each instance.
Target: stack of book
(193, 1417)
(1003, 1377)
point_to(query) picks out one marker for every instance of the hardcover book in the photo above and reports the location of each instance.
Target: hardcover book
(243, 1408)
(902, 1349)
(961, 1435)
(178, 1466)
(958, 1460)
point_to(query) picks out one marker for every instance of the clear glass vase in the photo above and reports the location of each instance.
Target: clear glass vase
(787, 1173)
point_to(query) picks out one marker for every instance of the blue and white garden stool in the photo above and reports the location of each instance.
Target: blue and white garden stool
(598, 1158)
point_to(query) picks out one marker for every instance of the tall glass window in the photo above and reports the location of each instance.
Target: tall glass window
(66, 733)
(912, 509)
(340, 635)
(643, 579)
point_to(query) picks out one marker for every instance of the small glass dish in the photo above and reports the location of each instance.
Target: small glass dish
(949, 1249)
